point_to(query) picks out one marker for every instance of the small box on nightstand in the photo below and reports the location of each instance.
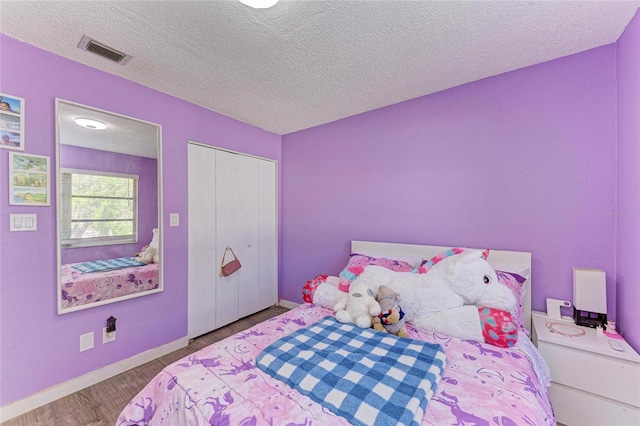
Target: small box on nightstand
(591, 383)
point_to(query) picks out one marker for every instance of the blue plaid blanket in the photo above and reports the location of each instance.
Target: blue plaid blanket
(366, 376)
(107, 265)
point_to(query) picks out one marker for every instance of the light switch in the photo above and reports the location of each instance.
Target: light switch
(174, 219)
(23, 222)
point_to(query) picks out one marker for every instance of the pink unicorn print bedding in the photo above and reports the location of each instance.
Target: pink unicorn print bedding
(221, 385)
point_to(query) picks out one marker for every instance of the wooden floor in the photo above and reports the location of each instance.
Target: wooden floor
(101, 403)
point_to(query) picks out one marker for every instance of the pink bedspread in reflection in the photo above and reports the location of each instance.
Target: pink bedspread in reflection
(80, 289)
(220, 385)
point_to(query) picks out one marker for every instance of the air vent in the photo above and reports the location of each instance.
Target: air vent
(103, 50)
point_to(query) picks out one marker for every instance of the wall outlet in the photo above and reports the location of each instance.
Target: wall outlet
(108, 337)
(86, 342)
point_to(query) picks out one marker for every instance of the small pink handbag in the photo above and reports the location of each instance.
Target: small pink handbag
(232, 266)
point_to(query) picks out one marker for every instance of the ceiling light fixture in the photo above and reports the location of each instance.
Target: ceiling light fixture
(89, 123)
(259, 4)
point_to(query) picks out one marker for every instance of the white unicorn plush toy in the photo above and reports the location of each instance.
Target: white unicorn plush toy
(459, 279)
(444, 296)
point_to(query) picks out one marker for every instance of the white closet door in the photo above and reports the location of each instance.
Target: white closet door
(232, 202)
(202, 251)
(249, 233)
(268, 288)
(227, 227)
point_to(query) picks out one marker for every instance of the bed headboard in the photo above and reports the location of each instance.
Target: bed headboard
(515, 260)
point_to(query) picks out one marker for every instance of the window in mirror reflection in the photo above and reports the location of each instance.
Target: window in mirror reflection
(98, 208)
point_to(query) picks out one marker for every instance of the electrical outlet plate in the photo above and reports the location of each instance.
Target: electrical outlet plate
(108, 337)
(86, 341)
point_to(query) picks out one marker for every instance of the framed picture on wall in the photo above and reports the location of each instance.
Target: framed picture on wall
(11, 122)
(28, 180)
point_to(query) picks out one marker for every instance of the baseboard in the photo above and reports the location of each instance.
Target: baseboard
(58, 391)
(288, 304)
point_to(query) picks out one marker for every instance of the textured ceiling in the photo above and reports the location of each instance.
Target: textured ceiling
(123, 134)
(304, 63)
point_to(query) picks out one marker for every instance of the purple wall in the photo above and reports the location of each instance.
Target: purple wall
(75, 157)
(521, 161)
(628, 242)
(39, 348)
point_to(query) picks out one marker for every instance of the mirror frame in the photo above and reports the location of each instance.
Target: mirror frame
(160, 288)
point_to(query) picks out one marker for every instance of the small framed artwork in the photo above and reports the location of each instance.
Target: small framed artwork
(29, 180)
(11, 122)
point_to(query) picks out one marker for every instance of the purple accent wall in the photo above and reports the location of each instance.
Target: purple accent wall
(628, 241)
(74, 157)
(521, 161)
(38, 347)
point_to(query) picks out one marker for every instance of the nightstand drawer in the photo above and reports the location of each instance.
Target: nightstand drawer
(614, 379)
(575, 408)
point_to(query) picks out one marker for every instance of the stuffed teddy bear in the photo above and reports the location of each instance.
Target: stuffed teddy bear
(155, 243)
(146, 255)
(151, 252)
(391, 317)
(358, 307)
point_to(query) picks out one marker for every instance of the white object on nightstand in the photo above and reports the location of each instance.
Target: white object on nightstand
(590, 290)
(616, 345)
(553, 307)
(591, 383)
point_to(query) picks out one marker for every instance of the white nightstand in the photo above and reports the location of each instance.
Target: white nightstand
(591, 383)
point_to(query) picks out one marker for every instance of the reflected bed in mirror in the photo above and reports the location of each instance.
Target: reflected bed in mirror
(108, 207)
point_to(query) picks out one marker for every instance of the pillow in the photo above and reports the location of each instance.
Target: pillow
(515, 282)
(358, 261)
(310, 287)
(498, 327)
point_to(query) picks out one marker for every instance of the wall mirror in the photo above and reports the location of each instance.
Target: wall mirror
(109, 226)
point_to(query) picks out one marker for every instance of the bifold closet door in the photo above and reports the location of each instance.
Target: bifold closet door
(248, 232)
(268, 218)
(228, 201)
(203, 268)
(257, 233)
(232, 203)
